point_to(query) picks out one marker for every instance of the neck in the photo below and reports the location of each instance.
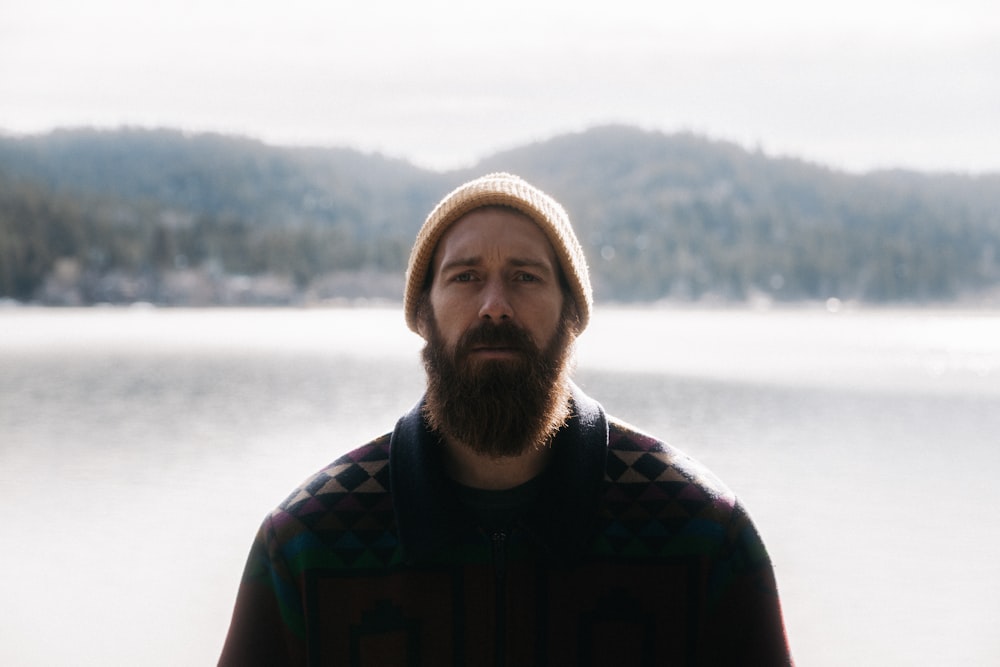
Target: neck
(470, 468)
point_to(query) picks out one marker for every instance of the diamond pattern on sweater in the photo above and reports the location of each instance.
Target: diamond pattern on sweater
(652, 507)
(347, 506)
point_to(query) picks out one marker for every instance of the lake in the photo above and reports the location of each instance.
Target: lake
(140, 448)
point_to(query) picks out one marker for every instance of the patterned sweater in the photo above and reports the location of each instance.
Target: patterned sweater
(634, 554)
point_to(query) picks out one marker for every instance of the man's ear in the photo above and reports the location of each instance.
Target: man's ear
(572, 313)
(424, 314)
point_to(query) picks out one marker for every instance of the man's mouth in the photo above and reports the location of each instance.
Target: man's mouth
(497, 351)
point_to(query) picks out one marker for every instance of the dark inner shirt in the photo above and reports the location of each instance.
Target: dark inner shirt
(497, 510)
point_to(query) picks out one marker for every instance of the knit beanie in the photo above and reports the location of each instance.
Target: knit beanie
(500, 189)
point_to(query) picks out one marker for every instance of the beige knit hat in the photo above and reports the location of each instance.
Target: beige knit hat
(503, 190)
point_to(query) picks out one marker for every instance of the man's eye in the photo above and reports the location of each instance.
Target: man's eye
(526, 278)
(463, 278)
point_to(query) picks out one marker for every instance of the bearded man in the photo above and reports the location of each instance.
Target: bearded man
(506, 520)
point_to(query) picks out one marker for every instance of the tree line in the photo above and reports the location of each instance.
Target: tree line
(92, 216)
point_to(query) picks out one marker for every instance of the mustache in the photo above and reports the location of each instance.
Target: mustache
(505, 334)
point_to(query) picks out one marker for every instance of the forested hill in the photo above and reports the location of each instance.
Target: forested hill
(157, 215)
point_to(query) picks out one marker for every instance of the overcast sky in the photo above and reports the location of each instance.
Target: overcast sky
(852, 84)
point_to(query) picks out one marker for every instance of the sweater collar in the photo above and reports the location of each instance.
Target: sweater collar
(563, 522)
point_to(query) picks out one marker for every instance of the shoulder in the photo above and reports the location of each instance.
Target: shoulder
(658, 501)
(363, 470)
(637, 458)
(331, 498)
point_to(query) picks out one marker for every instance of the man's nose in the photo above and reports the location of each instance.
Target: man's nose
(495, 302)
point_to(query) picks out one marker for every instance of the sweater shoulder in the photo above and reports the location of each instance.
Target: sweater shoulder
(638, 458)
(330, 500)
(363, 470)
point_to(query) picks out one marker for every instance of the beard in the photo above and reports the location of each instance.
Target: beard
(498, 407)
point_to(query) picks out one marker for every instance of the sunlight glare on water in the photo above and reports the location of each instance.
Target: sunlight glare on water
(146, 329)
(861, 350)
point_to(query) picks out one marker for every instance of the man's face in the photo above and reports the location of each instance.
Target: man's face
(499, 333)
(495, 265)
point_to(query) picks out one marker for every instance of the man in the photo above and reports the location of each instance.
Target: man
(506, 520)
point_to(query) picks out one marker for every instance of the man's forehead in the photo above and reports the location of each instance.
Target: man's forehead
(493, 227)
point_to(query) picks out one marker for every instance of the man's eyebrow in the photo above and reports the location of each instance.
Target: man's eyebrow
(525, 262)
(538, 264)
(460, 262)
(519, 262)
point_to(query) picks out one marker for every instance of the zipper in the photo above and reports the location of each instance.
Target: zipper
(499, 541)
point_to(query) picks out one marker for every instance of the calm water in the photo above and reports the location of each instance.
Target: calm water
(139, 449)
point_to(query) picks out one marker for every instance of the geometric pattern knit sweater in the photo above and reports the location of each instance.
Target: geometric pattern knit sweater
(633, 554)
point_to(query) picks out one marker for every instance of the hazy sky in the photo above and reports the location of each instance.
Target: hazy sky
(853, 84)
